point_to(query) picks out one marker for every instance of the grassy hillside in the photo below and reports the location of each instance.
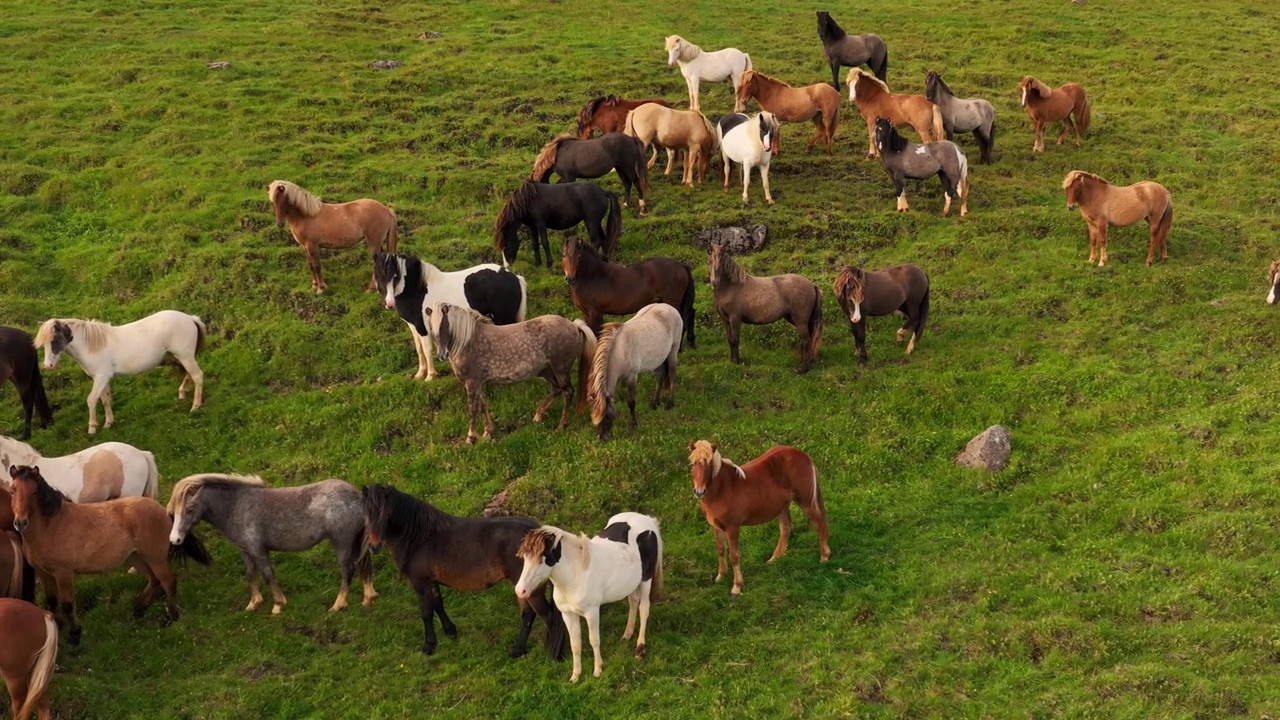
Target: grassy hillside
(1124, 565)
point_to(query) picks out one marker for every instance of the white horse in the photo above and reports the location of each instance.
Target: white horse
(697, 65)
(105, 350)
(750, 142)
(96, 474)
(623, 561)
(648, 342)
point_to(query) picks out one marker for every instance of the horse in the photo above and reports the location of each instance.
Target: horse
(602, 288)
(648, 342)
(818, 103)
(259, 520)
(431, 548)
(1103, 204)
(608, 113)
(20, 364)
(571, 158)
(732, 496)
(874, 101)
(410, 286)
(61, 538)
(963, 115)
(1273, 277)
(102, 472)
(742, 297)
(540, 206)
(624, 560)
(687, 130)
(751, 142)
(481, 352)
(901, 288)
(17, 577)
(28, 656)
(697, 65)
(315, 224)
(105, 350)
(1045, 105)
(903, 159)
(844, 50)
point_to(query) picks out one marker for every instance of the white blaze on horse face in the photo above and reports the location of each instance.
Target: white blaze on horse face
(176, 534)
(534, 574)
(856, 315)
(1024, 96)
(1271, 297)
(50, 358)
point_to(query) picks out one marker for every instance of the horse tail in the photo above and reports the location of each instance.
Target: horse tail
(191, 547)
(986, 141)
(655, 587)
(630, 127)
(1166, 220)
(1083, 113)
(748, 65)
(613, 229)
(151, 488)
(557, 632)
(364, 558)
(201, 332)
(42, 671)
(42, 400)
(686, 307)
(815, 327)
(599, 378)
(393, 238)
(546, 162)
(939, 130)
(642, 168)
(924, 309)
(18, 575)
(586, 358)
(815, 500)
(524, 299)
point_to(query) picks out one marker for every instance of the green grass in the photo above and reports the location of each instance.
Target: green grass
(1123, 566)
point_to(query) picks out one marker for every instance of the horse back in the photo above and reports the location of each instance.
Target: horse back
(17, 355)
(474, 553)
(495, 293)
(780, 476)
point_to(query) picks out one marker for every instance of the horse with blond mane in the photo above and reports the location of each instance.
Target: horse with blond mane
(28, 656)
(819, 103)
(608, 113)
(901, 288)
(687, 130)
(1045, 105)
(874, 100)
(316, 224)
(741, 297)
(1103, 204)
(648, 342)
(697, 65)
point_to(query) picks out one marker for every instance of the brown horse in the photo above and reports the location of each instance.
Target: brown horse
(755, 493)
(819, 103)
(741, 297)
(1273, 278)
(1046, 105)
(62, 538)
(602, 288)
(901, 288)
(687, 130)
(608, 113)
(874, 100)
(21, 570)
(317, 224)
(1103, 204)
(27, 656)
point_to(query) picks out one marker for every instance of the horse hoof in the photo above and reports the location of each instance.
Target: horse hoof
(517, 652)
(428, 650)
(471, 439)
(93, 430)
(640, 650)
(277, 609)
(736, 592)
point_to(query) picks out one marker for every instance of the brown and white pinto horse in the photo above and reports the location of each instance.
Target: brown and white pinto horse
(1103, 204)
(1045, 105)
(27, 656)
(608, 113)
(317, 224)
(874, 100)
(819, 103)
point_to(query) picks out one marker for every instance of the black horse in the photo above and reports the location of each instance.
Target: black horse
(540, 207)
(431, 547)
(18, 362)
(571, 158)
(843, 49)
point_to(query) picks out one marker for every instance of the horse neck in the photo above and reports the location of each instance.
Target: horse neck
(592, 267)
(575, 560)
(17, 452)
(722, 482)
(688, 53)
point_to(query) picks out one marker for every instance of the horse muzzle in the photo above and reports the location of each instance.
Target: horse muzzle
(523, 592)
(176, 538)
(699, 493)
(375, 546)
(21, 524)
(388, 305)
(568, 279)
(1070, 207)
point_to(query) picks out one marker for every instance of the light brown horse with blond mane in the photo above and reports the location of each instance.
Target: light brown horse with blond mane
(316, 224)
(819, 103)
(741, 297)
(1103, 204)
(874, 100)
(687, 130)
(1045, 105)
(28, 656)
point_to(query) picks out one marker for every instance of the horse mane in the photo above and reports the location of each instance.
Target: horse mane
(302, 201)
(515, 209)
(1275, 268)
(413, 520)
(932, 76)
(547, 158)
(688, 51)
(574, 245)
(462, 326)
(188, 486)
(897, 143)
(537, 541)
(48, 499)
(600, 369)
(92, 332)
(703, 451)
(1041, 89)
(848, 279)
(727, 270)
(17, 452)
(588, 111)
(830, 30)
(757, 75)
(855, 73)
(1075, 175)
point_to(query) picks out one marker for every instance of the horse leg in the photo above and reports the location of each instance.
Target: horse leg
(671, 160)
(419, 348)
(196, 376)
(835, 75)
(720, 552)
(50, 585)
(445, 623)
(263, 559)
(735, 558)
(900, 189)
(1093, 244)
(1102, 245)
(653, 157)
(1154, 223)
(1068, 127)
(427, 347)
(727, 169)
(106, 406)
(66, 592)
(313, 262)
(818, 132)
(148, 594)
(159, 567)
(818, 519)
(251, 574)
(784, 533)
(733, 330)
(566, 390)
(871, 138)
(660, 375)
(573, 623)
(426, 608)
(644, 592)
(546, 244)
(27, 394)
(474, 407)
(631, 399)
(860, 339)
(99, 385)
(746, 180)
(347, 565)
(764, 180)
(948, 189)
(670, 377)
(693, 83)
(593, 631)
(1038, 146)
(527, 616)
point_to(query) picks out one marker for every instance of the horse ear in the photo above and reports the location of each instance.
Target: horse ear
(693, 445)
(715, 447)
(13, 471)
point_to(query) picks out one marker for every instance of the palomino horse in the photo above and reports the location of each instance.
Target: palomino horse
(901, 288)
(62, 538)
(1103, 204)
(608, 113)
(623, 561)
(28, 656)
(1045, 105)
(104, 351)
(316, 224)
(648, 342)
(481, 352)
(755, 493)
(571, 158)
(602, 288)
(20, 363)
(697, 65)
(750, 142)
(963, 115)
(818, 103)
(844, 50)
(874, 101)
(411, 286)
(903, 159)
(1273, 277)
(258, 520)
(102, 472)
(541, 207)
(740, 297)
(431, 548)
(687, 130)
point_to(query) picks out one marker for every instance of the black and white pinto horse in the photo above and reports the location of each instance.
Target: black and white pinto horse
(410, 285)
(903, 159)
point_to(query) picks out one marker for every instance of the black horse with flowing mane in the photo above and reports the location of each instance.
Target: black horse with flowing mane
(541, 207)
(19, 363)
(572, 158)
(845, 50)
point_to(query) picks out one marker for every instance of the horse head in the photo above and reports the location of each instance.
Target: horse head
(373, 505)
(704, 463)
(888, 139)
(29, 490)
(849, 286)
(54, 336)
(675, 47)
(747, 86)
(1074, 184)
(828, 29)
(276, 194)
(388, 276)
(1031, 87)
(540, 550)
(769, 132)
(570, 257)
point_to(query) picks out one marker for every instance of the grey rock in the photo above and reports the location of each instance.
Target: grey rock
(220, 65)
(989, 451)
(385, 64)
(430, 35)
(737, 240)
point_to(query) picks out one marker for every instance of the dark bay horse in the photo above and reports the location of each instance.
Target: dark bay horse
(315, 224)
(608, 114)
(28, 656)
(741, 297)
(602, 288)
(901, 288)
(432, 548)
(844, 50)
(19, 363)
(903, 159)
(541, 207)
(26, 582)
(963, 115)
(571, 158)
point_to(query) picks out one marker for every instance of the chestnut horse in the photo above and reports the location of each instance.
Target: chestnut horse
(732, 496)
(317, 224)
(1273, 277)
(819, 103)
(27, 656)
(608, 113)
(742, 297)
(687, 130)
(874, 100)
(1045, 105)
(602, 288)
(1103, 204)
(901, 288)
